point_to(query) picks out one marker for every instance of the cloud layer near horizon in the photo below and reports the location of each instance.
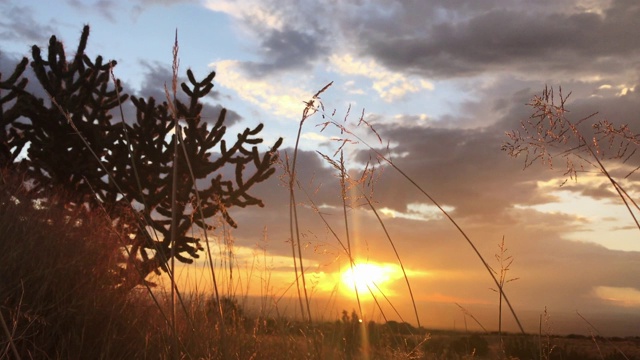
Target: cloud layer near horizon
(497, 55)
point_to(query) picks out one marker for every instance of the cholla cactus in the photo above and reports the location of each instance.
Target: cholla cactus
(75, 145)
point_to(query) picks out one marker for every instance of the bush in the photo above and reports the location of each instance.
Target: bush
(57, 291)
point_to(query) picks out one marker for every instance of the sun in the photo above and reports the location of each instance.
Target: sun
(366, 277)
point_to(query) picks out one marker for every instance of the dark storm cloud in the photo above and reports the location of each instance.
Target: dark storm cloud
(301, 38)
(286, 49)
(458, 38)
(461, 168)
(17, 24)
(503, 39)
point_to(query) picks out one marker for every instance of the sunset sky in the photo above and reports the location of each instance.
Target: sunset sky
(441, 81)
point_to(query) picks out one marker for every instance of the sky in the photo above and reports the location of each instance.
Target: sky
(440, 82)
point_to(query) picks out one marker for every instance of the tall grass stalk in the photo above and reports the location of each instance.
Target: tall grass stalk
(395, 251)
(550, 134)
(179, 144)
(505, 265)
(142, 222)
(79, 134)
(7, 333)
(223, 332)
(175, 294)
(440, 208)
(469, 314)
(343, 193)
(352, 261)
(344, 179)
(295, 239)
(368, 199)
(293, 217)
(344, 130)
(174, 192)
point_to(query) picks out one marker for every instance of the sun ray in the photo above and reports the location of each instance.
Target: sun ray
(370, 277)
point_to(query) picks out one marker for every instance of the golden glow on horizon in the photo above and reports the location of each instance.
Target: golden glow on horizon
(370, 277)
(622, 296)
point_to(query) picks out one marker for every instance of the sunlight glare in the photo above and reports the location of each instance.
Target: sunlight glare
(370, 276)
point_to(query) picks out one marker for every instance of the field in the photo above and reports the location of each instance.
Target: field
(59, 305)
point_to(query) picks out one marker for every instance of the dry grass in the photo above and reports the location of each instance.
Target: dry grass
(59, 305)
(63, 300)
(58, 294)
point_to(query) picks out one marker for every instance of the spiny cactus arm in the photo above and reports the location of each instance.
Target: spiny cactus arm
(12, 139)
(10, 82)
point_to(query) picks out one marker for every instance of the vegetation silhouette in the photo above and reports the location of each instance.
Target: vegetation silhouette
(70, 126)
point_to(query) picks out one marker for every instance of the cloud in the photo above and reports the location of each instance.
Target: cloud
(285, 49)
(107, 8)
(440, 40)
(281, 44)
(279, 99)
(390, 86)
(417, 211)
(534, 238)
(19, 25)
(620, 296)
(464, 169)
(139, 6)
(509, 38)
(481, 61)
(259, 14)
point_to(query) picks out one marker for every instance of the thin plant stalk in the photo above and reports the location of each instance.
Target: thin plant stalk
(223, 346)
(293, 217)
(133, 163)
(147, 286)
(444, 212)
(293, 229)
(395, 251)
(75, 129)
(139, 185)
(469, 314)
(505, 264)
(174, 197)
(137, 178)
(343, 192)
(384, 228)
(352, 260)
(7, 333)
(547, 112)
